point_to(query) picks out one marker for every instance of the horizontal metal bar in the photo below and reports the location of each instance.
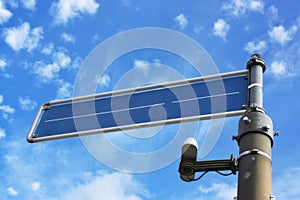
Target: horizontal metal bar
(150, 87)
(211, 165)
(135, 126)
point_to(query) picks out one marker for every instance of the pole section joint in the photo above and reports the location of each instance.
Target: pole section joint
(256, 59)
(255, 122)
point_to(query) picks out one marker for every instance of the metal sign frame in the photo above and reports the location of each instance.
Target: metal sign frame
(33, 137)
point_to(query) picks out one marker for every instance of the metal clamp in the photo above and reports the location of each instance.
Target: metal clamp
(254, 85)
(253, 152)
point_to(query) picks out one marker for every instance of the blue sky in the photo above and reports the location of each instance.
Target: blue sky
(43, 45)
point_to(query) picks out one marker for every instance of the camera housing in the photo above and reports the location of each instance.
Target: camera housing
(188, 157)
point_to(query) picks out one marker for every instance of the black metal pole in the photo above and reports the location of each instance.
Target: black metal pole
(255, 140)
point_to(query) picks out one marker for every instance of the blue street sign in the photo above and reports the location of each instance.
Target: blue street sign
(175, 102)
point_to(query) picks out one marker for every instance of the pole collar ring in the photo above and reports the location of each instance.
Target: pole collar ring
(253, 152)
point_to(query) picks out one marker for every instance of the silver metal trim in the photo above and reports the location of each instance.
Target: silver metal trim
(150, 87)
(134, 126)
(31, 138)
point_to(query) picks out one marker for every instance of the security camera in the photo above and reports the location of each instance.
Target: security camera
(188, 157)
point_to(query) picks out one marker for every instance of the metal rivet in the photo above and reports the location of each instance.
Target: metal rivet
(266, 128)
(246, 119)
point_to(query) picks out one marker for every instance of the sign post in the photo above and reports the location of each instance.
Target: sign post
(170, 103)
(255, 139)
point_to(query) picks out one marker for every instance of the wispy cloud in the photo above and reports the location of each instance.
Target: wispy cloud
(142, 65)
(117, 186)
(221, 28)
(5, 14)
(219, 190)
(23, 37)
(103, 81)
(48, 49)
(26, 103)
(62, 59)
(64, 90)
(12, 191)
(5, 109)
(35, 186)
(65, 10)
(238, 8)
(67, 37)
(47, 72)
(3, 64)
(29, 4)
(181, 20)
(281, 35)
(2, 133)
(272, 13)
(256, 47)
(280, 69)
(286, 186)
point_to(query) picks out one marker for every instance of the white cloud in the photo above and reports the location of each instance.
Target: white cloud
(256, 47)
(26, 103)
(65, 10)
(46, 72)
(117, 186)
(64, 90)
(256, 5)
(76, 63)
(35, 186)
(67, 37)
(29, 4)
(22, 37)
(3, 64)
(221, 28)
(198, 29)
(281, 35)
(6, 109)
(220, 190)
(280, 69)
(5, 14)
(286, 186)
(10, 158)
(103, 81)
(12, 3)
(273, 12)
(48, 49)
(142, 65)
(11, 191)
(2, 133)
(126, 2)
(240, 7)
(181, 20)
(61, 59)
